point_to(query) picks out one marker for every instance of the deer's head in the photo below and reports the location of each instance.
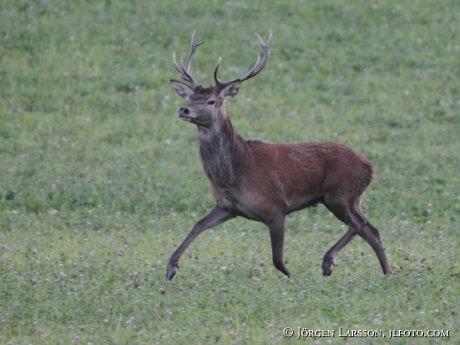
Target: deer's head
(205, 105)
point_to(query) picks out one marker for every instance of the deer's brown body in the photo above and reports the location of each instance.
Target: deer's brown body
(263, 181)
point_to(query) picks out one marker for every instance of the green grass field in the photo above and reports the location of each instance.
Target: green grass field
(100, 182)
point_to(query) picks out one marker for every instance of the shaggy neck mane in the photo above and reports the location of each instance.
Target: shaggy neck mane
(223, 153)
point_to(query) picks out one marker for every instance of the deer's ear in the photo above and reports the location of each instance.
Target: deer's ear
(182, 89)
(230, 90)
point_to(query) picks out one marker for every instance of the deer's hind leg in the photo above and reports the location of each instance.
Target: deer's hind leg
(349, 213)
(372, 236)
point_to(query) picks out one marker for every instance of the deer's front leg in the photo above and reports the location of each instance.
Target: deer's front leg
(276, 227)
(215, 217)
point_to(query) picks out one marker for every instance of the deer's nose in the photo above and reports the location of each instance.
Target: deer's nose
(183, 111)
(185, 114)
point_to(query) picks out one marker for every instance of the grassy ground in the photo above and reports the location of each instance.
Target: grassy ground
(99, 181)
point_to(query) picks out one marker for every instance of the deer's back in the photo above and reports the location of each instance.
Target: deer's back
(300, 175)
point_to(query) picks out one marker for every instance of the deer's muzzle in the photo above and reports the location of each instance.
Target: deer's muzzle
(184, 114)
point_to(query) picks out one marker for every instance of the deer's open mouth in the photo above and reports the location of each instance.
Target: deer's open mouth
(184, 118)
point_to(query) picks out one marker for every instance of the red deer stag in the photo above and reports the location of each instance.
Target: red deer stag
(263, 181)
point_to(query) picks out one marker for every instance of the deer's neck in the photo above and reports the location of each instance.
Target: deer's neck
(223, 153)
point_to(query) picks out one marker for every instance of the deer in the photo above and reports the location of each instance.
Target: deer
(264, 181)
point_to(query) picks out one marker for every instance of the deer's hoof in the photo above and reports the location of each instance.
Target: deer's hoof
(328, 265)
(171, 271)
(327, 273)
(170, 274)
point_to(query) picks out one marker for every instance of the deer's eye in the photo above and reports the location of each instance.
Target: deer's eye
(211, 102)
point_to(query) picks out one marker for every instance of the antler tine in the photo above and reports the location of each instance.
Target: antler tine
(266, 49)
(193, 46)
(254, 70)
(184, 75)
(177, 67)
(184, 69)
(216, 69)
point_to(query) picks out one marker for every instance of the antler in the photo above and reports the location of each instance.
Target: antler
(183, 70)
(254, 70)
